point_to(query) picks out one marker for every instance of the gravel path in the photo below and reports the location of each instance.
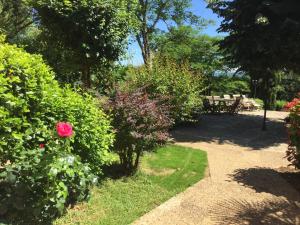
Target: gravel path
(244, 185)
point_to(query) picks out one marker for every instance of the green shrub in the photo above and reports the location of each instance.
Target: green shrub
(279, 105)
(177, 82)
(39, 187)
(31, 105)
(140, 123)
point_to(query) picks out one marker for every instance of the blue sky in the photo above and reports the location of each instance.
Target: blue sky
(199, 8)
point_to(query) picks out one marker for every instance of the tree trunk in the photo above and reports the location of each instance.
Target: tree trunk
(266, 102)
(86, 77)
(264, 127)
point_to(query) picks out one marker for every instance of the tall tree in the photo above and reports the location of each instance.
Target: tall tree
(255, 30)
(15, 17)
(151, 12)
(93, 31)
(186, 44)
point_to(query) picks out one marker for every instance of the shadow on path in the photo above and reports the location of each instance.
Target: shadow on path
(283, 209)
(265, 180)
(242, 130)
(268, 212)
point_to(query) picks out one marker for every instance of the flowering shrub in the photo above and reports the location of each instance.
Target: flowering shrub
(140, 123)
(64, 129)
(167, 78)
(292, 104)
(293, 153)
(45, 164)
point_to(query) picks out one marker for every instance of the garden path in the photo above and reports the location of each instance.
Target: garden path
(245, 183)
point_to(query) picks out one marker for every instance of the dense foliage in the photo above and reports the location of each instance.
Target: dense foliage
(255, 30)
(45, 172)
(186, 44)
(221, 85)
(15, 18)
(293, 153)
(93, 31)
(175, 81)
(141, 124)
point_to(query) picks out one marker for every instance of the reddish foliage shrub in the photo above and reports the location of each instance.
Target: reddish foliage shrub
(293, 153)
(141, 124)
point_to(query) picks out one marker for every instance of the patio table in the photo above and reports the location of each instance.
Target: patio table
(222, 104)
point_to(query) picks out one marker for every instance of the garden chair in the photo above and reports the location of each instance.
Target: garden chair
(209, 106)
(235, 107)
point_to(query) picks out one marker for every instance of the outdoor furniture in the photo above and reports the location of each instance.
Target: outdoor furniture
(249, 104)
(236, 96)
(226, 96)
(235, 107)
(217, 105)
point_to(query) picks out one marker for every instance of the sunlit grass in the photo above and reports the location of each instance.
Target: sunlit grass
(164, 173)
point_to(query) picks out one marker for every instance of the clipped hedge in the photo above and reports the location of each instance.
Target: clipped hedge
(40, 172)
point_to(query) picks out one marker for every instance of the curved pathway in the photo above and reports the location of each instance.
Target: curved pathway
(244, 185)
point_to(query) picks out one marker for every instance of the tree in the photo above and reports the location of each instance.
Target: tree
(151, 12)
(15, 18)
(93, 31)
(255, 30)
(186, 44)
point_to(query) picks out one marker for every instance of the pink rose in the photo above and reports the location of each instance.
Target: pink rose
(64, 129)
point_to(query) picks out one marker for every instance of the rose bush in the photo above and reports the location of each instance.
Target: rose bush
(64, 129)
(41, 170)
(293, 153)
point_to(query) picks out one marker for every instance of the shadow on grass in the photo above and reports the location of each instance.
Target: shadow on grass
(242, 130)
(115, 171)
(268, 212)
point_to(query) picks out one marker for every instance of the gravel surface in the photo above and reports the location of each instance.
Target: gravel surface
(244, 185)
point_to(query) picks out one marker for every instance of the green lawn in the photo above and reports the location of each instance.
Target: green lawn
(163, 174)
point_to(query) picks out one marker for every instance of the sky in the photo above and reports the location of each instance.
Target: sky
(199, 8)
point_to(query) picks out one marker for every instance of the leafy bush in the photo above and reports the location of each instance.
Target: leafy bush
(167, 78)
(31, 104)
(293, 153)
(279, 105)
(40, 186)
(140, 123)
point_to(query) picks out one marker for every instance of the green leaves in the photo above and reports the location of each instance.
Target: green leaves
(176, 82)
(40, 173)
(90, 32)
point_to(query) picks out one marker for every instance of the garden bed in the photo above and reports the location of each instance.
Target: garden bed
(163, 174)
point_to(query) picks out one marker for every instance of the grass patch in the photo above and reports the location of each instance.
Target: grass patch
(163, 173)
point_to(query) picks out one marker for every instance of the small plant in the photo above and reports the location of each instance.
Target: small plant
(141, 123)
(293, 153)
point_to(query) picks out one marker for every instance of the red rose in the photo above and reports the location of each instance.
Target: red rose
(64, 129)
(42, 145)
